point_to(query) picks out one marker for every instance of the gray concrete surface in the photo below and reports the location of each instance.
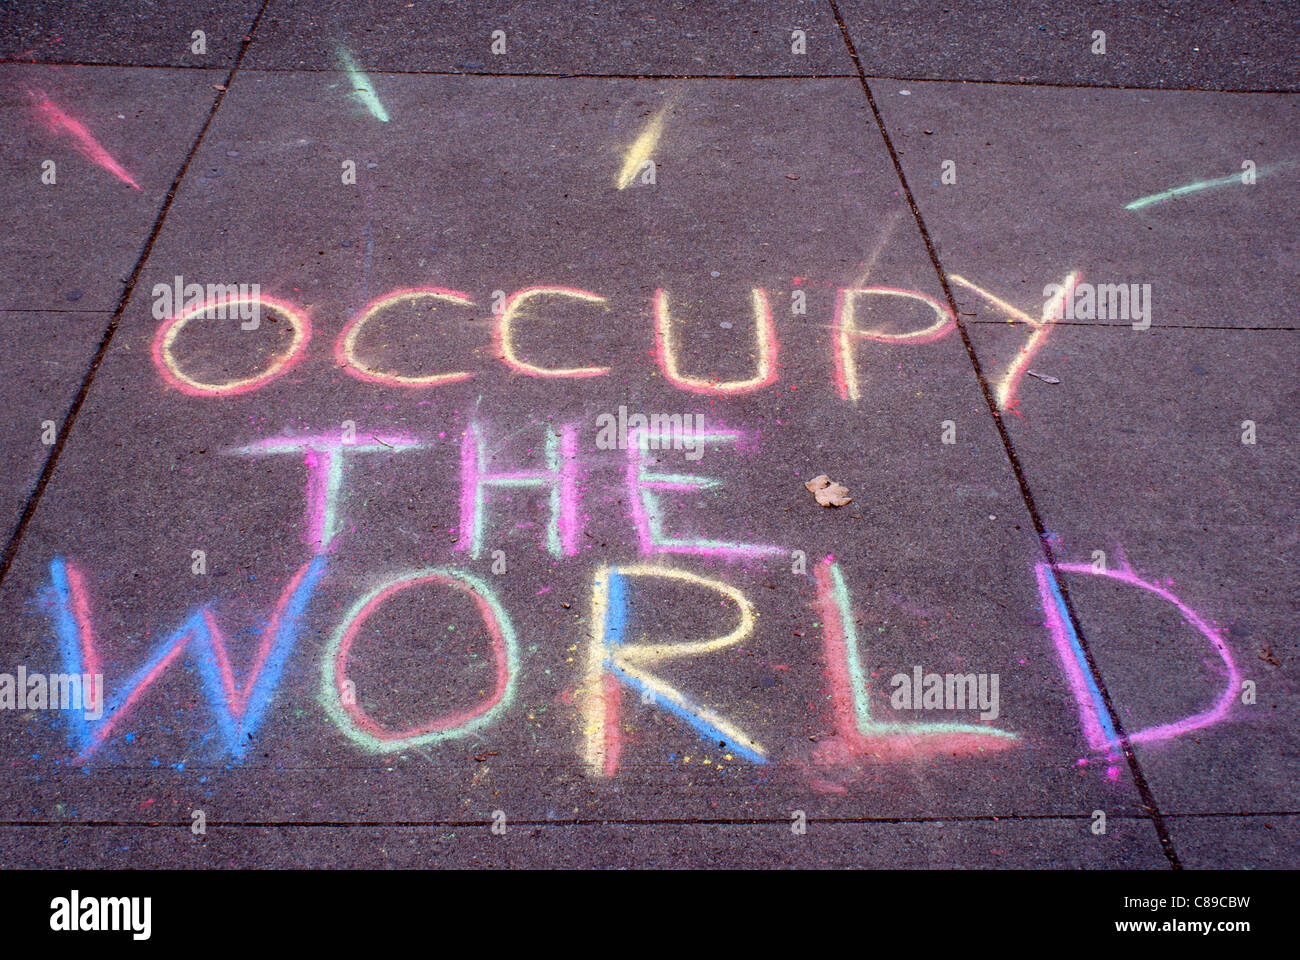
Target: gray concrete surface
(771, 172)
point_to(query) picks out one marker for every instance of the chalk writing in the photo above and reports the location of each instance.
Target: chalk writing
(1093, 715)
(364, 730)
(612, 660)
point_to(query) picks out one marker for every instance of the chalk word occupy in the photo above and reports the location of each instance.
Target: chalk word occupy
(530, 305)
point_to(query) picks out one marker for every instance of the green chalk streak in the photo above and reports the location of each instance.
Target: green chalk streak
(1191, 188)
(361, 88)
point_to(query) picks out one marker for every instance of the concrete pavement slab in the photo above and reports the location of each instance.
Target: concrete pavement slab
(1190, 605)
(185, 446)
(127, 33)
(1044, 844)
(583, 37)
(1215, 45)
(1262, 842)
(378, 557)
(88, 159)
(36, 393)
(1141, 445)
(1035, 183)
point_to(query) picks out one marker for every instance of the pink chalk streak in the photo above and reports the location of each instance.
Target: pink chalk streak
(58, 121)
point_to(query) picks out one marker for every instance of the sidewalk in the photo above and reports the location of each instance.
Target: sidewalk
(382, 561)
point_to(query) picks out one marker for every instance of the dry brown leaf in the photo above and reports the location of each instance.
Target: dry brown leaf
(827, 492)
(833, 496)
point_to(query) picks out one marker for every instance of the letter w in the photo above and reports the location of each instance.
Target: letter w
(238, 707)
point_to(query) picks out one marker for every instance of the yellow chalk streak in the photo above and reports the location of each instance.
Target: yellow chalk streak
(169, 339)
(849, 329)
(998, 302)
(591, 695)
(885, 234)
(664, 651)
(1052, 311)
(642, 148)
(628, 658)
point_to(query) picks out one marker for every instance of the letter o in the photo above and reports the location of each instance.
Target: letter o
(363, 729)
(171, 371)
